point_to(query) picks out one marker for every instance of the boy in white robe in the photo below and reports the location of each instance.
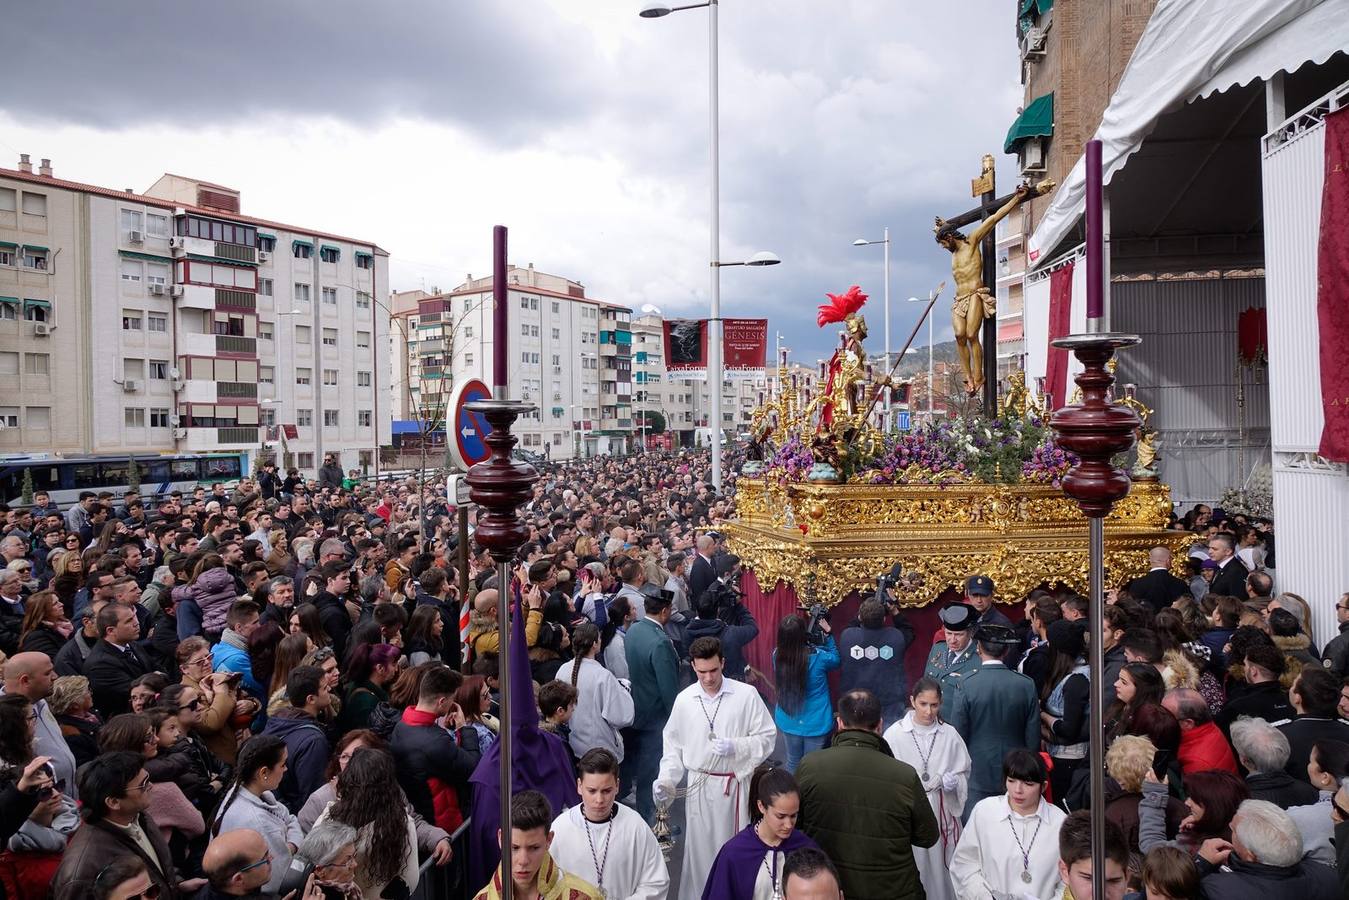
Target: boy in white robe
(607, 843)
(718, 732)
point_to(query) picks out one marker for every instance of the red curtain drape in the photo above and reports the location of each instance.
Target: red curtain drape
(1332, 298)
(1060, 321)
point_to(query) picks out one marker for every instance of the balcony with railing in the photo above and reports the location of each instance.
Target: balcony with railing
(237, 252)
(229, 343)
(236, 390)
(243, 300)
(238, 434)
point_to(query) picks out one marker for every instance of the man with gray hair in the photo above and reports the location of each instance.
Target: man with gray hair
(1202, 745)
(330, 847)
(160, 584)
(1263, 861)
(1263, 751)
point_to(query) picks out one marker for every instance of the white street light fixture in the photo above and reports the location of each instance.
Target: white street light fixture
(656, 10)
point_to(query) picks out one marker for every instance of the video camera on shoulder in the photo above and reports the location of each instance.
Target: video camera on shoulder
(815, 633)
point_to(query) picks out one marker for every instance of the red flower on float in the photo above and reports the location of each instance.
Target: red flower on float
(841, 306)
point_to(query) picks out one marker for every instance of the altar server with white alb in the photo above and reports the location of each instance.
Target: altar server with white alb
(719, 731)
(606, 843)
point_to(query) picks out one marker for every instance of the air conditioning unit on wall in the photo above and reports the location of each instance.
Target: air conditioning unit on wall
(1032, 156)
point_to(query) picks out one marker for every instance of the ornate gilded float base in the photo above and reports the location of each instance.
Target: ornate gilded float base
(1021, 535)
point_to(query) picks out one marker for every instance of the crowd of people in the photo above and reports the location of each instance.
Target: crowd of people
(290, 689)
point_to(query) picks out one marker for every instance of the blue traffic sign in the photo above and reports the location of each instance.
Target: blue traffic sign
(468, 429)
(902, 419)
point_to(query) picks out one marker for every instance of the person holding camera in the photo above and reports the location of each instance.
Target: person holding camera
(801, 666)
(721, 615)
(872, 655)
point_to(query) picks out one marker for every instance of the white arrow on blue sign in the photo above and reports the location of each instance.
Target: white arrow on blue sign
(466, 440)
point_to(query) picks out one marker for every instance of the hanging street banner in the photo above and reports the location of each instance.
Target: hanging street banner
(744, 348)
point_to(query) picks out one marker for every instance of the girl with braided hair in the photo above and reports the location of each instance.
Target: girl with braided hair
(603, 705)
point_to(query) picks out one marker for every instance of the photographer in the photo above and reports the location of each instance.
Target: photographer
(801, 663)
(873, 656)
(721, 615)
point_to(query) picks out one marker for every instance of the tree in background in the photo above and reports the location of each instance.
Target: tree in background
(27, 487)
(133, 475)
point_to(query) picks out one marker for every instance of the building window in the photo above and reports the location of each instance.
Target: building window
(265, 287)
(37, 363)
(364, 418)
(155, 274)
(301, 250)
(534, 303)
(362, 300)
(556, 306)
(156, 225)
(363, 379)
(159, 417)
(330, 417)
(266, 374)
(131, 271)
(303, 334)
(365, 261)
(330, 377)
(468, 359)
(301, 293)
(557, 334)
(468, 331)
(133, 369)
(9, 416)
(267, 417)
(329, 254)
(8, 197)
(534, 331)
(131, 320)
(34, 258)
(159, 369)
(524, 303)
(363, 339)
(304, 460)
(304, 376)
(9, 310)
(524, 330)
(524, 357)
(135, 417)
(266, 243)
(38, 417)
(330, 337)
(265, 331)
(330, 296)
(304, 417)
(34, 204)
(7, 256)
(131, 221)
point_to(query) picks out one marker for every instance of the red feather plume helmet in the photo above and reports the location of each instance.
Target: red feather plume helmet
(841, 306)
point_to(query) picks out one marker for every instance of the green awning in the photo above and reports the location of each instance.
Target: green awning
(309, 244)
(221, 261)
(263, 234)
(42, 304)
(14, 300)
(8, 244)
(34, 247)
(365, 254)
(148, 257)
(1040, 6)
(331, 247)
(1036, 120)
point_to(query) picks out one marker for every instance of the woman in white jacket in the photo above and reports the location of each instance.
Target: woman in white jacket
(370, 801)
(603, 705)
(249, 803)
(937, 753)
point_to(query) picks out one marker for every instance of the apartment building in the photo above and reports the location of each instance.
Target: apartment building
(169, 321)
(569, 354)
(1009, 289)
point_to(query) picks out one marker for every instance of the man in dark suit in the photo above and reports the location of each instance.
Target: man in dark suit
(1231, 578)
(114, 662)
(703, 572)
(994, 711)
(1159, 588)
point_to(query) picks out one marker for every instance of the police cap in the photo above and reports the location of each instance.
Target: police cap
(979, 586)
(958, 617)
(997, 635)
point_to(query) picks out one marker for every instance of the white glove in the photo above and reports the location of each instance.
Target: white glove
(662, 792)
(723, 747)
(949, 781)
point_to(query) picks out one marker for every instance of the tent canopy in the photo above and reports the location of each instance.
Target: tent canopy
(1186, 120)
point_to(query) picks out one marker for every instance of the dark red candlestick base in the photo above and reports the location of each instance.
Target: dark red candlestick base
(1096, 429)
(502, 484)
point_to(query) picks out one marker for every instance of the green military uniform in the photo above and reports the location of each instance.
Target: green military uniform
(995, 711)
(948, 669)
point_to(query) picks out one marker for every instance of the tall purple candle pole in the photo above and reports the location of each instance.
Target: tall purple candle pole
(500, 332)
(1095, 239)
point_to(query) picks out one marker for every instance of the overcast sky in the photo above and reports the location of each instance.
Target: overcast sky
(419, 124)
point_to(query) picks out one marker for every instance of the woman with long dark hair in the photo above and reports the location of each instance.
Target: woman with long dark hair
(1064, 704)
(36, 847)
(304, 619)
(804, 713)
(1212, 797)
(421, 638)
(475, 699)
(289, 655)
(371, 669)
(749, 866)
(262, 644)
(250, 803)
(603, 706)
(45, 628)
(939, 756)
(370, 801)
(1137, 684)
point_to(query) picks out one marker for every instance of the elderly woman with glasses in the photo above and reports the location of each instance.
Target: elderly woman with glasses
(330, 847)
(220, 702)
(72, 703)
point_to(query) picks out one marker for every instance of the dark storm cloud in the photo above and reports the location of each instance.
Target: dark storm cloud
(490, 67)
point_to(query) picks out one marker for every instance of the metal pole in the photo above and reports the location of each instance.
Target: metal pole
(889, 396)
(462, 512)
(1096, 557)
(504, 736)
(714, 325)
(315, 332)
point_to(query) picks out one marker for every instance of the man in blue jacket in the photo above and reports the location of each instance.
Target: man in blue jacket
(306, 744)
(654, 672)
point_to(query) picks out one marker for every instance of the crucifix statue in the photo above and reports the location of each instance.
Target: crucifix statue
(972, 265)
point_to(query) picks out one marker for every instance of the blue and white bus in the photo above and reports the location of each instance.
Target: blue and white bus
(64, 478)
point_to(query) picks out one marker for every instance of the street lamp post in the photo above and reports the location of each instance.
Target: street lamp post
(885, 242)
(929, 353)
(657, 10)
